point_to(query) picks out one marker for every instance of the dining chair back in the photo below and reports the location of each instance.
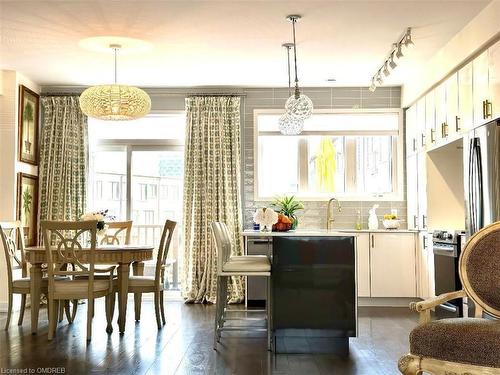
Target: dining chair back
(13, 244)
(166, 239)
(222, 244)
(74, 242)
(118, 233)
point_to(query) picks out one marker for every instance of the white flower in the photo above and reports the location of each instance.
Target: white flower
(265, 217)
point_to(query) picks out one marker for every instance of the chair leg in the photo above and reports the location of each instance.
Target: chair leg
(61, 311)
(21, 312)
(71, 315)
(9, 311)
(112, 302)
(52, 311)
(90, 315)
(137, 306)
(162, 308)
(109, 314)
(217, 312)
(269, 315)
(157, 309)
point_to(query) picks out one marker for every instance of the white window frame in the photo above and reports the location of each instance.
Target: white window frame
(398, 171)
(129, 146)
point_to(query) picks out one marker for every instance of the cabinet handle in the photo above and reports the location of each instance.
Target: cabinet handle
(424, 221)
(484, 109)
(444, 129)
(488, 109)
(422, 139)
(414, 144)
(457, 124)
(415, 221)
(433, 135)
(373, 241)
(425, 241)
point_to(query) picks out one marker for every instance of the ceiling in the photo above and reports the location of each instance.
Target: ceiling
(223, 43)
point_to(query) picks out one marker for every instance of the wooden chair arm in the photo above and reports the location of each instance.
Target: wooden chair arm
(424, 307)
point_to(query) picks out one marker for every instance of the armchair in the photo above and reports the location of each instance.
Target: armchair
(462, 346)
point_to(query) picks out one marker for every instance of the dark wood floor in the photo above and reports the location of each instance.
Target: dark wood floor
(184, 346)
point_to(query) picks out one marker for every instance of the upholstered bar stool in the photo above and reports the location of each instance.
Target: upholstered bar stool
(227, 266)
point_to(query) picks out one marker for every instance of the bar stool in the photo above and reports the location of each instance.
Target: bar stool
(227, 266)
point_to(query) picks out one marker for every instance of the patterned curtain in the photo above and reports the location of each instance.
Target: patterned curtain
(211, 192)
(63, 159)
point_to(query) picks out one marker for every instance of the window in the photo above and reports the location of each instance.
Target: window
(348, 154)
(129, 161)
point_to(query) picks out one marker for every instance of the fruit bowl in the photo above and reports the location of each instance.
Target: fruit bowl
(284, 224)
(391, 223)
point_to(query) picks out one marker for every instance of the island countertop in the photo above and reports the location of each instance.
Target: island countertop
(298, 233)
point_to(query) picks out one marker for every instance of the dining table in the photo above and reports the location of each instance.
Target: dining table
(122, 255)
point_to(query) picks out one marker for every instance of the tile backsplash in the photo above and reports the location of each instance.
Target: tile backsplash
(314, 214)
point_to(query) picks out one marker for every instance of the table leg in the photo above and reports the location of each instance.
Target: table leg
(123, 273)
(138, 270)
(35, 287)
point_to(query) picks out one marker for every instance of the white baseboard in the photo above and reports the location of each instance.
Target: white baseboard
(3, 307)
(386, 301)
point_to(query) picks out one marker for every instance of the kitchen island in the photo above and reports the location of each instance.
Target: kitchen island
(314, 298)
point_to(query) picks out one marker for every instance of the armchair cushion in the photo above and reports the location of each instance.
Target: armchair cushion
(464, 340)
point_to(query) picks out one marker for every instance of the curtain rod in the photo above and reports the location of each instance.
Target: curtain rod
(214, 94)
(59, 94)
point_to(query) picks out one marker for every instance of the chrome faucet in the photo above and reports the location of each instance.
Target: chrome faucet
(329, 213)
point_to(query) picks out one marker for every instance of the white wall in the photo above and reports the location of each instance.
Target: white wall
(9, 165)
(475, 36)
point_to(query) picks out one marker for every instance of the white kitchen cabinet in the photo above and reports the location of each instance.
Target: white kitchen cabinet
(441, 111)
(363, 266)
(430, 119)
(465, 99)
(449, 129)
(422, 190)
(412, 191)
(494, 78)
(420, 124)
(411, 130)
(392, 265)
(424, 250)
(480, 88)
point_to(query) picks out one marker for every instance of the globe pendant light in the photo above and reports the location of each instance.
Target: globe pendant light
(297, 105)
(289, 125)
(115, 102)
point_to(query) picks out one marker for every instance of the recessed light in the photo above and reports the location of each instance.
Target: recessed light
(331, 80)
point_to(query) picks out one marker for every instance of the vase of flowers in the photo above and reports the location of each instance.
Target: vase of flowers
(266, 218)
(287, 207)
(100, 216)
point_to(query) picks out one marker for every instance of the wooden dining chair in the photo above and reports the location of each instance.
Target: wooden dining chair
(118, 233)
(156, 284)
(65, 243)
(13, 244)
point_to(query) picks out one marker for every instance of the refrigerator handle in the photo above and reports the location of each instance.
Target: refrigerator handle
(471, 186)
(479, 166)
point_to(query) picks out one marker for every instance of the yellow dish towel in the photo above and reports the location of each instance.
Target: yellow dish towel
(326, 166)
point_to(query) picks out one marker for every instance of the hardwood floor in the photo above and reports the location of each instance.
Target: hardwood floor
(184, 346)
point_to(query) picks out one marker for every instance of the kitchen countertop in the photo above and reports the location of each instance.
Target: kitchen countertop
(299, 232)
(321, 232)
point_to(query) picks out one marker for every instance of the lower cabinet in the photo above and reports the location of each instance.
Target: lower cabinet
(392, 265)
(387, 264)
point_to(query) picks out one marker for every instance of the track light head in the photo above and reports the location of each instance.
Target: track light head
(392, 63)
(372, 87)
(379, 78)
(399, 52)
(385, 70)
(407, 39)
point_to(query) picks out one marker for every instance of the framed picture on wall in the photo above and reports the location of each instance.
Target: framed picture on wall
(27, 206)
(28, 125)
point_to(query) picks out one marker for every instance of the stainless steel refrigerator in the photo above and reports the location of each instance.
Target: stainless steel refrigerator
(482, 176)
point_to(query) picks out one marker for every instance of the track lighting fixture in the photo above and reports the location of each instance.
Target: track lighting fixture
(396, 52)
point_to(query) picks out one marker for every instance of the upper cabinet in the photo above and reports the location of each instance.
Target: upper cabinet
(421, 124)
(465, 119)
(494, 78)
(411, 130)
(441, 111)
(430, 118)
(450, 127)
(480, 88)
